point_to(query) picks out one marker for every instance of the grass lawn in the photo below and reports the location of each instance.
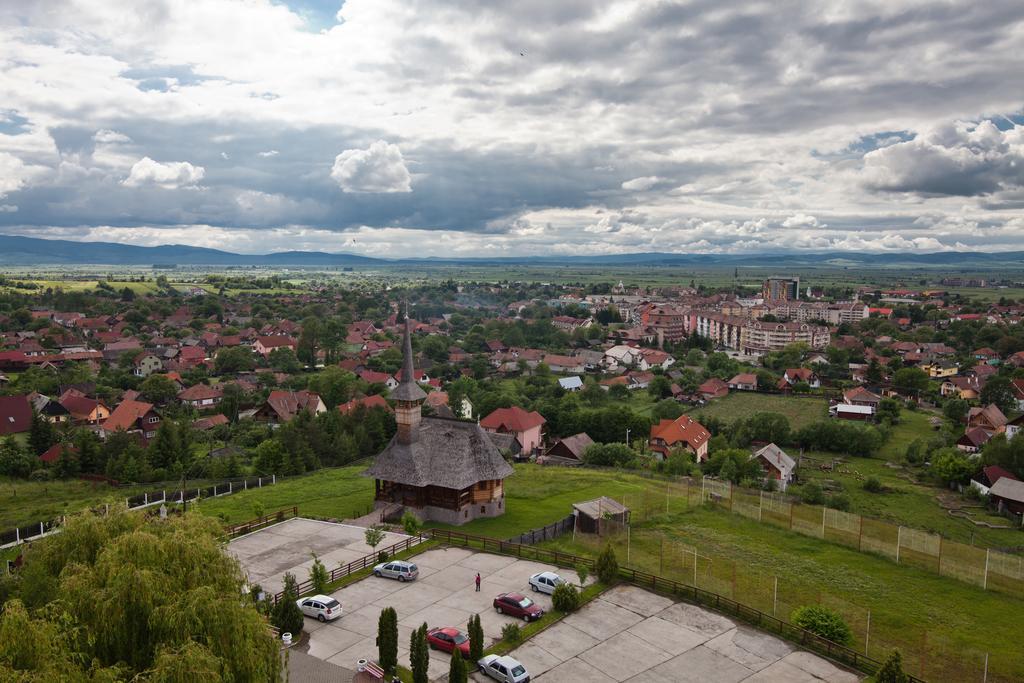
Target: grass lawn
(333, 493)
(800, 410)
(27, 502)
(913, 425)
(953, 624)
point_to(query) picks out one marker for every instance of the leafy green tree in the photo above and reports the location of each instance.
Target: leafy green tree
(476, 638)
(954, 409)
(419, 655)
(582, 573)
(232, 360)
(373, 536)
(889, 408)
(158, 389)
(41, 434)
(284, 360)
(811, 493)
(318, 575)
(951, 466)
(15, 461)
(387, 640)
(913, 381)
(999, 390)
(334, 385)
(112, 597)
(607, 566)
(411, 523)
(608, 455)
(286, 615)
(457, 672)
(660, 387)
(824, 622)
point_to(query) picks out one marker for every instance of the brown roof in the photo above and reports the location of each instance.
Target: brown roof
(513, 419)
(683, 429)
(126, 414)
(198, 392)
(287, 404)
(15, 414)
(452, 454)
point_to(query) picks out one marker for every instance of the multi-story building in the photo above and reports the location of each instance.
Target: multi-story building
(666, 319)
(833, 314)
(763, 337)
(781, 289)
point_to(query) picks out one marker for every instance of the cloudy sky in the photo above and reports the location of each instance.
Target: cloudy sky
(471, 127)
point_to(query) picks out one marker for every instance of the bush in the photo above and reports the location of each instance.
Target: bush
(510, 633)
(318, 575)
(476, 638)
(838, 501)
(387, 640)
(607, 566)
(812, 494)
(872, 485)
(824, 622)
(582, 572)
(287, 616)
(565, 598)
(382, 556)
(892, 669)
(411, 523)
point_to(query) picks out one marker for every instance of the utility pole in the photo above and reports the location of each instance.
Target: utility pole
(627, 437)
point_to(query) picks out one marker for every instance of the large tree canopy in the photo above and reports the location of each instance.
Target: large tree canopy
(126, 597)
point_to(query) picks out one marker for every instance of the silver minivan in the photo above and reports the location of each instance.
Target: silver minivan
(397, 569)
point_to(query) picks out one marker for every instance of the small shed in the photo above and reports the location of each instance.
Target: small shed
(592, 516)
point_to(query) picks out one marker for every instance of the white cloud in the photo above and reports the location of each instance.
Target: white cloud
(110, 136)
(641, 184)
(378, 169)
(169, 175)
(269, 153)
(13, 173)
(800, 220)
(8, 208)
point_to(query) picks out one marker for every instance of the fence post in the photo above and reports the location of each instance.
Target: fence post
(823, 508)
(17, 535)
(760, 504)
(273, 478)
(41, 532)
(259, 480)
(899, 538)
(867, 635)
(984, 581)
(984, 678)
(229, 488)
(245, 484)
(145, 498)
(775, 596)
(860, 533)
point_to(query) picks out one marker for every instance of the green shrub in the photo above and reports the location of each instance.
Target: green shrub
(510, 633)
(565, 598)
(607, 566)
(419, 656)
(873, 485)
(318, 575)
(824, 622)
(387, 640)
(582, 572)
(892, 669)
(838, 501)
(411, 523)
(476, 638)
(812, 494)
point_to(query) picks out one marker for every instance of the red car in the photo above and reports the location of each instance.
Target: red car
(518, 605)
(447, 639)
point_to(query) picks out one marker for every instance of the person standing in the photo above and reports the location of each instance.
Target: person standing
(478, 582)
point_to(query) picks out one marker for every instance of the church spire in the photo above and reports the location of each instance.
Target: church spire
(408, 393)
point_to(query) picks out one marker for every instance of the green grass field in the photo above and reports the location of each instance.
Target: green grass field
(339, 493)
(944, 627)
(799, 410)
(27, 502)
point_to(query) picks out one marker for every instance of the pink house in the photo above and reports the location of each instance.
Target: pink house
(526, 426)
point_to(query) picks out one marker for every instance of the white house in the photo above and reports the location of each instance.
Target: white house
(571, 383)
(776, 464)
(622, 355)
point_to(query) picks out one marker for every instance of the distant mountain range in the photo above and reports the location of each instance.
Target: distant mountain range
(22, 251)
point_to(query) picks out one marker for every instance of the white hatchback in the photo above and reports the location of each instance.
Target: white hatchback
(322, 607)
(545, 582)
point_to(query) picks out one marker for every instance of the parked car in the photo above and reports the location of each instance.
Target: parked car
(447, 639)
(397, 569)
(504, 669)
(545, 582)
(322, 607)
(518, 605)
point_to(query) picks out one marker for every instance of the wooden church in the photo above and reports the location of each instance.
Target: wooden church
(443, 469)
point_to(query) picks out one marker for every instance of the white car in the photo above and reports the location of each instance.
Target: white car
(397, 569)
(504, 669)
(322, 607)
(545, 582)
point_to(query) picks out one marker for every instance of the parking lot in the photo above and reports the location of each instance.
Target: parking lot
(267, 554)
(627, 634)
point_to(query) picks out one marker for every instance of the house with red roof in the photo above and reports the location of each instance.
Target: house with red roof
(201, 396)
(527, 427)
(82, 408)
(368, 403)
(265, 345)
(713, 388)
(134, 417)
(54, 453)
(282, 406)
(682, 432)
(15, 414)
(796, 375)
(745, 381)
